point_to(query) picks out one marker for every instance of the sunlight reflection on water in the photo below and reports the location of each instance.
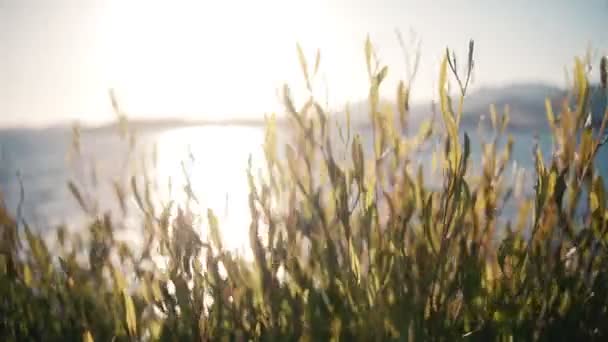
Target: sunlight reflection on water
(215, 158)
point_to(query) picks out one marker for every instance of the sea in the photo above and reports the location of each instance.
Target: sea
(36, 167)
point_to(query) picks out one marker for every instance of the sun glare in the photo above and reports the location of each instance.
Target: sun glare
(214, 159)
(208, 60)
(224, 58)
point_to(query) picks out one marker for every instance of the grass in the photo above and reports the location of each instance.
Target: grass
(343, 249)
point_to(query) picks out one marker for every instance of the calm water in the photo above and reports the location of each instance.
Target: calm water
(217, 170)
(215, 158)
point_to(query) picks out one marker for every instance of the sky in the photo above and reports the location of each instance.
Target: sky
(225, 59)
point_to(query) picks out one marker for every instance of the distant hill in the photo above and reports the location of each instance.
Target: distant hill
(526, 103)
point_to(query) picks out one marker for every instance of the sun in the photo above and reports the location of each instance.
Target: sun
(215, 59)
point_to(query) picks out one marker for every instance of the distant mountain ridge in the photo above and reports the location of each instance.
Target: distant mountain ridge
(160, 124)
(526, 103)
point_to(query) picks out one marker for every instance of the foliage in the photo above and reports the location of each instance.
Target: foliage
(357, 248)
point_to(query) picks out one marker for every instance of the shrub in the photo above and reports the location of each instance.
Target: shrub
(360, 248)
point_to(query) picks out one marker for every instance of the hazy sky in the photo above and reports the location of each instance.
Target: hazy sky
(221, 58)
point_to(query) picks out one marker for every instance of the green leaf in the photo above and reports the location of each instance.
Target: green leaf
(565, 302)
(76, 193)
(382, 75)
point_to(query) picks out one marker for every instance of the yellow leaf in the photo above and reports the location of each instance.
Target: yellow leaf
(580, 80)
(552, 182)
(303, 65)
(130, 314)
(445, 106)
(119, 279)
(3, 266)
(493, 116)
(354, 260)
(505, 120)
(368, 56)
(155, 329)
(27, 275)
(425, 130)
(291, 158)
(402, 104)
(443, 71)
(348, 126)
(382, 74)
(594, 202)
(565, 302)
(156, 291)
(434, 162)
(214, 229)
(317, 62)
(550, 115)
(144, 291)
(358, 158)
(270, 142)
(87, 337)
